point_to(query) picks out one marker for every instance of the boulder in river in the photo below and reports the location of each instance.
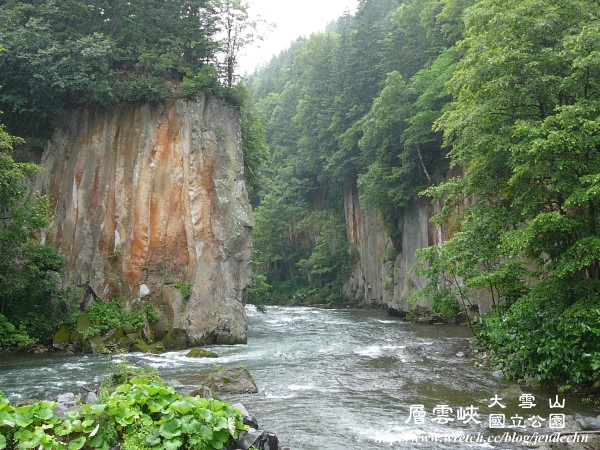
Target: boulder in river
(261, 440)
(231, 381)
(198, 352)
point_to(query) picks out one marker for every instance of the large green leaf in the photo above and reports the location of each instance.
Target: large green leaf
(76, 444)
(170, 429)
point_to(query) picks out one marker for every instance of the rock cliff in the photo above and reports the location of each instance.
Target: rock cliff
(382, 275)
(150, 203)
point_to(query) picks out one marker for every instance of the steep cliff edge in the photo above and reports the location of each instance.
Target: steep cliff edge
(150, 201)
(383, 276)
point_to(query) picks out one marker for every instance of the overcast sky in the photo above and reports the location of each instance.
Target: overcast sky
(292, 19)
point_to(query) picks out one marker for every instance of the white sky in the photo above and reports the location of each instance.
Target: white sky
(292, 19)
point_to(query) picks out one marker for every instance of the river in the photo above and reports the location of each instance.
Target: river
(336, 380)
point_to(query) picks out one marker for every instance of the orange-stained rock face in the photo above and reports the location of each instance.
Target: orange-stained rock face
(145, 195)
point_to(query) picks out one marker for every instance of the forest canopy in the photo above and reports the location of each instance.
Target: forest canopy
(69, 53)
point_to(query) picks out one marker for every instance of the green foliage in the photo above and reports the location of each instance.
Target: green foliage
(254, 146)
(205, 81)
(445, 305)
(444, 289)
(104, 316)
(13, 337)
(546, 336)
(150, 313)
(30, 288)
(523, 126)
(185, 288)
(258, 293)
(73, 53)
(329, 257)
(141, 89)
(33, 297)
(139, 413)
(114, 255)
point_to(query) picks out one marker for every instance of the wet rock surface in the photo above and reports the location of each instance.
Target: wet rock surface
(150, 203)
(230, 381)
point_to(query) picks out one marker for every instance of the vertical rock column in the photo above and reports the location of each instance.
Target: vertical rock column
(151, 199)
(383, 275)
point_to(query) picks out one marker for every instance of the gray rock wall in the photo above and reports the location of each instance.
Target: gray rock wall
(148, 196)
(383, 276)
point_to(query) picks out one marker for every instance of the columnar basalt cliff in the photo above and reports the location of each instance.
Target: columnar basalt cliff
(148, 198)
(382, 275)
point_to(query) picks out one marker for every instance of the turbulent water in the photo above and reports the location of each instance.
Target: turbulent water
(333, 380)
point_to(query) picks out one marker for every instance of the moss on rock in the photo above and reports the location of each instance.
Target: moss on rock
(201, 353)
(141, 346)
(176, 339)
(62, 338)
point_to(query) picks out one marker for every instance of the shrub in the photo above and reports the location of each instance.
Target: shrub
(547, 335)
(445, 305)
(185, 288)
(141, 89)
(13, 337)
(140, 413)
(32, 296)
(150, 313)
(258, 292)
(105, 316)
(204, 82)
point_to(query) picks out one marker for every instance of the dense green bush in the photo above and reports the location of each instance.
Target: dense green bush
(13, 337)
(206, 81)
(546, 335)
(141, 89)
(140, 413)
(105, 316)
(258, 292)
(31, 292)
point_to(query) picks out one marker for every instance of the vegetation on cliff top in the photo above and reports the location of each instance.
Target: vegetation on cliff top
(61, 55)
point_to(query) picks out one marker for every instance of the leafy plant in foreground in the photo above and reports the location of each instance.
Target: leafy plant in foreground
(140, 413)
